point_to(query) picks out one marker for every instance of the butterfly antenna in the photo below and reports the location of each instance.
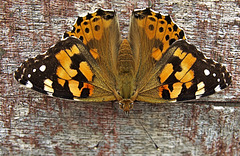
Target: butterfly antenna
(97, 145)
(156, 146)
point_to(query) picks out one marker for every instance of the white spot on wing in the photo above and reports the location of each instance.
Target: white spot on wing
(48, 82)
(29, 84)
(48, 89)
(217, 89)
(34, 70)
(200, 89)
(214, 74)
(198, 96)
(76, 99)
(35, 61)
(42, 68)
(46, 56)
(200, 92)
(204, 60)
(50, 94)
(206, 72)
(218, 80)
(200, 85)
(24, 69)
(29, 75)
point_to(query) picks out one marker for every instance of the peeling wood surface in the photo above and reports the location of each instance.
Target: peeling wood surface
(34, 124)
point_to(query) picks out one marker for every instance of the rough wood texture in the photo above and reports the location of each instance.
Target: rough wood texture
(34, 124)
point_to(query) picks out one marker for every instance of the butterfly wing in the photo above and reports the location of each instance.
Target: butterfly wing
(169, 68)
(99, 31)
(151, 34)
(186, 75)
(64, 71)
(81, 69)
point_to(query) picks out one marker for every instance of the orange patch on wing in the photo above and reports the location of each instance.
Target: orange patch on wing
(87, 30)
(66, 62)
(97, 27)
(61, 82)
(74, 50)
(150, 28)
(89, 86)
(79, 33)
(161, 88)
(85, 69)
(161, 28)
(62, 73)
(69, 52)
(179, 53)
(73, 86)
(186, 65)
(166, 72)
(188, 76)
(76, 34)
(165, 41)
(156, 53)
(188, 84)
(94, 53)
(72, 34)
(177, 88)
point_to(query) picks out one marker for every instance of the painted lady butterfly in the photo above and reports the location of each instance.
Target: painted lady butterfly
(155, 64)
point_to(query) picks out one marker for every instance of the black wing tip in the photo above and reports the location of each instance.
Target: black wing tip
(141, 13)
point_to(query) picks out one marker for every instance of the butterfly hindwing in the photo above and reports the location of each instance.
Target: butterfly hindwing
(186, 75)
(63, 71)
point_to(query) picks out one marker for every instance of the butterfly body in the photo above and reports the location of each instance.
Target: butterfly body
(155, 64)
(126, 70)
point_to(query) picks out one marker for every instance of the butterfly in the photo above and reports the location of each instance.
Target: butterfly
(155, 64)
